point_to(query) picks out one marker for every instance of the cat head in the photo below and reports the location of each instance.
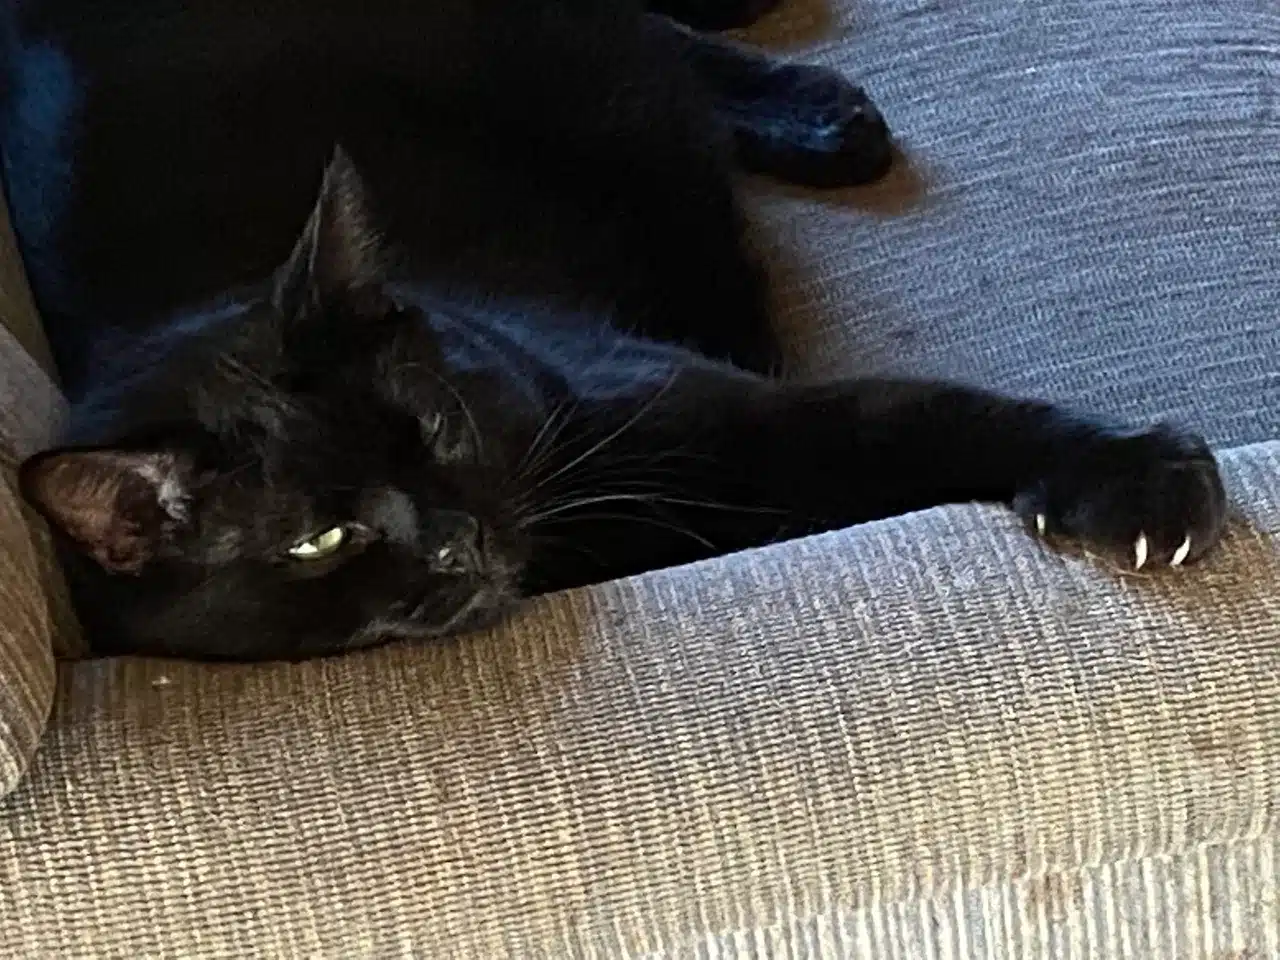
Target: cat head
(297, 473)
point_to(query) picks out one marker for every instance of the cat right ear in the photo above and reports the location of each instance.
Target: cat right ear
(339, 254)
(117, 506)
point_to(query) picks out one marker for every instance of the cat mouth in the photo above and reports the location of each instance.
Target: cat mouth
(484, 605)
(487, 604)
(479, 602)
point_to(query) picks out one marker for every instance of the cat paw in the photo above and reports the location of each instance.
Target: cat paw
(1153, 497)
(816, 129)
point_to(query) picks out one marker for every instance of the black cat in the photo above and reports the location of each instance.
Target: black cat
(523, 348)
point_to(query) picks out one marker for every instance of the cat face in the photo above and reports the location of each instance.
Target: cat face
(302, 476)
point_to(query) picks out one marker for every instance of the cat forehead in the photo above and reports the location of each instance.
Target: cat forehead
(256, 497)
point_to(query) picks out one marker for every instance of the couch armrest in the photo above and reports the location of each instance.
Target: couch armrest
(926, 733)
(35, 613)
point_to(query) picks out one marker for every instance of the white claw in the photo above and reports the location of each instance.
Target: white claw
(1041, 524)
(1140, 552)
(1181, 553)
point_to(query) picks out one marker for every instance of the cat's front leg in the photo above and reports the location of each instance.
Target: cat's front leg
(717, 462)
(849, 452)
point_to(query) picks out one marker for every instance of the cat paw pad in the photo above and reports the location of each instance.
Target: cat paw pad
(1153, 496)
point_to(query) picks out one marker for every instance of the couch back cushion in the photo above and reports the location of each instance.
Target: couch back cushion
(1086, 211)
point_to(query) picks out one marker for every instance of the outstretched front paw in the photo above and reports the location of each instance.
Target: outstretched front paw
(1154, 496)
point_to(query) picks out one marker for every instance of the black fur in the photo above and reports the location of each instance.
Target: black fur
(519, 344)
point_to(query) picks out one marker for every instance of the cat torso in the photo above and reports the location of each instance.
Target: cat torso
(513, 153)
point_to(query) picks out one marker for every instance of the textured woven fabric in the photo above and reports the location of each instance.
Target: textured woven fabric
(926, 738)
(26, 652)
(34, 612)
(1092, 213)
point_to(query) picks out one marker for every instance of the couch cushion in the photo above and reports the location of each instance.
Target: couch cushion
(926, 737)
(1092, 214)
(33, 607)
(35, 612)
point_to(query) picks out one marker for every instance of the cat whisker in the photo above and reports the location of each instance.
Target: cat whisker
(652, 521)
(557, 509)
(564, 506)
(710, 505)
(534, 457)
(641, 466)
(547, 423)
(591, 485)
(645, 408)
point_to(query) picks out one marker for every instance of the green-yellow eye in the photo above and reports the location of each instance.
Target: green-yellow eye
(320, 546)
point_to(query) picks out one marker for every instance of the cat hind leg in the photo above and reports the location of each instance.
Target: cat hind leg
(799, 123)
(713, 14)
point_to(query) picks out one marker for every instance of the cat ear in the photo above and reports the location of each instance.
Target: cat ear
(117, 505)
(340, 252)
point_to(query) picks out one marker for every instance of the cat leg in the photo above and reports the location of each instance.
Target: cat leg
(713, 14)
(799, 123)
(730, 465)
(873, 448)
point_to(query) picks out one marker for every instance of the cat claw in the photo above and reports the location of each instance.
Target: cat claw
(1140, 549)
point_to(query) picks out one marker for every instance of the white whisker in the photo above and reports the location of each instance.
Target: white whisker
(652, 521)
(597, 447)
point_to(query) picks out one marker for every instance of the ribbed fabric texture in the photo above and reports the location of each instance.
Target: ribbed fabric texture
(34, 611)
(26, 655)
(930, 737)
(1088, 210)
(1212, 903)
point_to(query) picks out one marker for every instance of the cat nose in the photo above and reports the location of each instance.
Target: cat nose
(455, 542)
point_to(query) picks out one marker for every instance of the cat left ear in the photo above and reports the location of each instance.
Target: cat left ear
(340, 253)
(118, 506)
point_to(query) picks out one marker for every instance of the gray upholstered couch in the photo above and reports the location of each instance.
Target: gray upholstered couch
(929, 737)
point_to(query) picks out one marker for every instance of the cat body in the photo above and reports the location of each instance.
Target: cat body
(519, 344)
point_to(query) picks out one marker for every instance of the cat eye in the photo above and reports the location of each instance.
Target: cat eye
(320, 546)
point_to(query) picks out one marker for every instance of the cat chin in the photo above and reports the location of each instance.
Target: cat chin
(485, 606)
